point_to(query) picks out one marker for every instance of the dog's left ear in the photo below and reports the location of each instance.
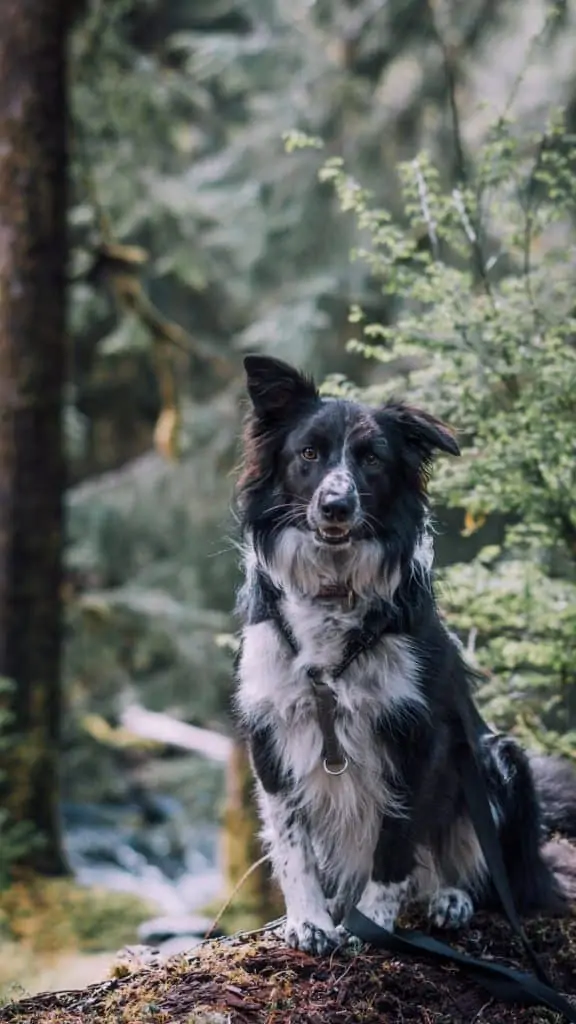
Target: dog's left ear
(275, 388)
(421, 430)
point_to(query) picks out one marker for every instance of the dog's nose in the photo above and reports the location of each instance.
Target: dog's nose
(338, 508)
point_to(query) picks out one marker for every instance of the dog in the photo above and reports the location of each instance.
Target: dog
(351, 691)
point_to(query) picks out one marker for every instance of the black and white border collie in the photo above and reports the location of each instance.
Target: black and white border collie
(333, 508)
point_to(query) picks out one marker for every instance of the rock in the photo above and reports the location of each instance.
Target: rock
(131, 959)
(179, 945)
(162, 929)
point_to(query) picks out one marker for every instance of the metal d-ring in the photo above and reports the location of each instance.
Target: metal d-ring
(340, 771)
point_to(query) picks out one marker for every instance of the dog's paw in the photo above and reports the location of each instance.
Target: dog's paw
(450, 908)
(382, 903)
(318, 939)
(351, 943)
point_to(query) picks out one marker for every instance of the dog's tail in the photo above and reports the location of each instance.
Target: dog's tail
(555, 783)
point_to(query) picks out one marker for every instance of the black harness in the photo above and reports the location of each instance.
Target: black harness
(381, 619)
(502, 982)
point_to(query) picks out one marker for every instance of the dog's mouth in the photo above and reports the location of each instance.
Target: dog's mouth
(335, 535)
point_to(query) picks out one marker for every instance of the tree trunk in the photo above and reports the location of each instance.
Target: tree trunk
(33, 173)
(259, 899)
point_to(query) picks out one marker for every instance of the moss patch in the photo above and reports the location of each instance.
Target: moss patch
(53, 914)
(259, 980)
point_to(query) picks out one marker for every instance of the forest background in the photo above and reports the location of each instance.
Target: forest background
(382, 193)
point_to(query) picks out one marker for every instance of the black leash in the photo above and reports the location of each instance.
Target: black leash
(503, 982)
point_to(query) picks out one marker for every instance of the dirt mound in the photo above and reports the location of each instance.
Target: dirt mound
(257, 980)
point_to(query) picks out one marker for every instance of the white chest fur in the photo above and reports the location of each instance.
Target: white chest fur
(275, 691)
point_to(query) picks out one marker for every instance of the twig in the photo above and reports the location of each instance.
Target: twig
(538, 38)
(233, 894)
(460, 205)
(480, 1013)
(530, 212)
(469, 221)
(270, 927)
(425, 206)
(471, 642)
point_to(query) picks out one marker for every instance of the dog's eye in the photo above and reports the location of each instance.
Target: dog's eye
(309, 453)
(370, 459)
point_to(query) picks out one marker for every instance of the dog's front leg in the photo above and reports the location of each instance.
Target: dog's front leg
(308, 922)
(391, 880)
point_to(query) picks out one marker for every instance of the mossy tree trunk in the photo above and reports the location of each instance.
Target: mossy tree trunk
(33, 174)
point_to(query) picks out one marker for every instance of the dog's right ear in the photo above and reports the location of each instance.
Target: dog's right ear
(275, 388)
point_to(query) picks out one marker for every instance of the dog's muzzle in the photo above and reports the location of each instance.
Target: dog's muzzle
(334, 512)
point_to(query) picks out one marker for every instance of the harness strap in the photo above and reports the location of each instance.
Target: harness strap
(361, 642)
(379, 620)
(335, 762)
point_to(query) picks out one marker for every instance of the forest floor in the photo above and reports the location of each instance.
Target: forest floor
(258, 980)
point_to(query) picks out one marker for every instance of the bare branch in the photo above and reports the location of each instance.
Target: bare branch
(425, 206)
(153, 725)
(469, 221)
(460, 205)
(530, 209)
(537, 39)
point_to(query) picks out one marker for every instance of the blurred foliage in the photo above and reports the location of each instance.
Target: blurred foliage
(524, 624)
(196, 236)
(182, 185)
(479, 271)
(51, 929)
(56, 914)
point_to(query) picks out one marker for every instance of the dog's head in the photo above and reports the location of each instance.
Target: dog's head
(339, 473)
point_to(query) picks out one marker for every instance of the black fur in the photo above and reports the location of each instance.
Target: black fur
(333, 481)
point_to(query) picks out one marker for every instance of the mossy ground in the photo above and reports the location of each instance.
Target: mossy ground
(259, 981)
(53, 928)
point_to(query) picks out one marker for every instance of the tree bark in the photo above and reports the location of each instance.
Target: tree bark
(259, 900)
(33, 248)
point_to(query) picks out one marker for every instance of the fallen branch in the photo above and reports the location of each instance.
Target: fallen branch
(152, 725)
